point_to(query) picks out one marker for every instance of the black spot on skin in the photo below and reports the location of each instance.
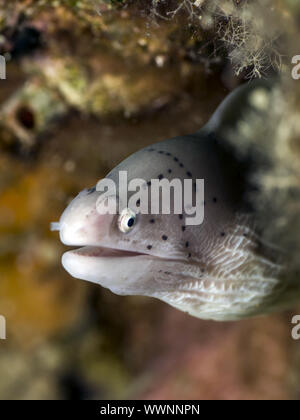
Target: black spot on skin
(161, 152)
(160, 177)
(183, 228)
(164, 237)
(149, 247)
(169, 171)
(152, 221)
(168, 272)
(168, 154)
(175, 158)
(187, 244)
(181, 165)
(180, 216)
(215, 200)
(189, 173)
(91, 190)
(222, 233)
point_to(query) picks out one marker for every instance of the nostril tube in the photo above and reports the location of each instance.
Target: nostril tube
(55, 226)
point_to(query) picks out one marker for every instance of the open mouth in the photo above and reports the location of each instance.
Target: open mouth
(101, 252)
(93, 263)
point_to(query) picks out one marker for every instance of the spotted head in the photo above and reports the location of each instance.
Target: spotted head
(130, 250)
(213, 269)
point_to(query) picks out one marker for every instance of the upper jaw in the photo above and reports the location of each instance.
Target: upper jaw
(81, 224)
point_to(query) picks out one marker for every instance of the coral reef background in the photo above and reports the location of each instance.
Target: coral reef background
(89, 82)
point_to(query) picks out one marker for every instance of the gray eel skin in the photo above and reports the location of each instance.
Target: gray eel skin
(220, 269)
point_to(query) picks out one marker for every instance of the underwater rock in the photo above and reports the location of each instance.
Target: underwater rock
(30, 112)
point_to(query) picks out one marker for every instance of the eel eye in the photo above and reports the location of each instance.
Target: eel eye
(126, 220)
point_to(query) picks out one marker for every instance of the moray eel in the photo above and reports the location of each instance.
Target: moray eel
(220, 269)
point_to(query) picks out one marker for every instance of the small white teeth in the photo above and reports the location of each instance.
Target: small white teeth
(55, 226)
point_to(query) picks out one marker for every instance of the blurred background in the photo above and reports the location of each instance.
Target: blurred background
(88, 83)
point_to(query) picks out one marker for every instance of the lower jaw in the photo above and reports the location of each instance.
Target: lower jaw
(107, 267)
